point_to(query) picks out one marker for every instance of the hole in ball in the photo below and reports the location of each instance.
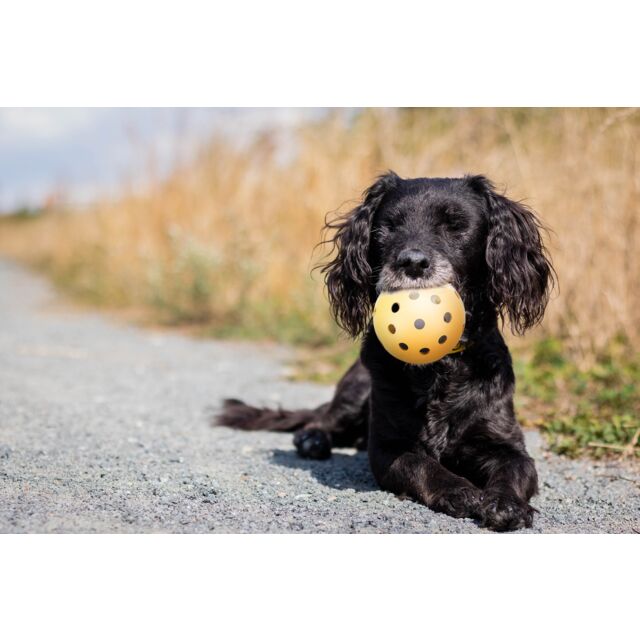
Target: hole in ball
(414, 295)
(419, 323)
(391, 328)
(435, 299)
(424, 351)
(395, 307)
(442, 339)
(403, 346)
(447, 317)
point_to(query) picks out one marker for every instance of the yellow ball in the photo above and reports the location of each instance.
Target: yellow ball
(419, 326)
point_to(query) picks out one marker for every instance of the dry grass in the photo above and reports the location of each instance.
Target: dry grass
(227, 241)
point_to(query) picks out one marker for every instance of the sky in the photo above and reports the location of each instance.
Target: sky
(88, 153)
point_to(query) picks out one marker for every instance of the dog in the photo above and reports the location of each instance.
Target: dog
(444, 434)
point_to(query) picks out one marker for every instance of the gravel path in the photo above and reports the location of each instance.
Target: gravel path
(103, 428)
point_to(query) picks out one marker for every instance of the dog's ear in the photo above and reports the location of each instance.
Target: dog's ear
(520, 273)
(348, 274)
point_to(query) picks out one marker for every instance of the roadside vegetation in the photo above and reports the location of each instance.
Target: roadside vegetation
(583, 411)
(226, 243)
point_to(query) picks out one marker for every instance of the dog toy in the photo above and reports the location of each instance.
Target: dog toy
(419, 326)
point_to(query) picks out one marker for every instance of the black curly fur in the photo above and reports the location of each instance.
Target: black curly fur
(519, 269)
(445, 434)
(349, 275)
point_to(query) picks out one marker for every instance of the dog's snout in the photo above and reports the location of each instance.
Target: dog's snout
(413, 262)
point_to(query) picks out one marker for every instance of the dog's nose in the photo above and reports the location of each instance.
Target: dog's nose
(413, 262)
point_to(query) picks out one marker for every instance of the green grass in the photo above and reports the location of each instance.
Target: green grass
(593, 411)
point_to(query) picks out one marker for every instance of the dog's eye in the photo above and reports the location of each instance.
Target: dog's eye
(455, 222)
(391, 223)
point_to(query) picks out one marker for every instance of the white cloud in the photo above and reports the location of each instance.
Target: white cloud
(90, 152)
(43, 125)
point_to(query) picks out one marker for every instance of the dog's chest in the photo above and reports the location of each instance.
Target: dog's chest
(443, 400)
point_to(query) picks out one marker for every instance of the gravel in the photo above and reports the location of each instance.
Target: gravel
(104, 428)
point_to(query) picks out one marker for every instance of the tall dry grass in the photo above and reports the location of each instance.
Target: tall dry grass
(227, 241)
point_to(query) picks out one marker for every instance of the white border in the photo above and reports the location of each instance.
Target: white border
(486, 586)
(335, 52)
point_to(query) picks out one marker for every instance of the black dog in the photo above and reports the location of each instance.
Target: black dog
(444, 434)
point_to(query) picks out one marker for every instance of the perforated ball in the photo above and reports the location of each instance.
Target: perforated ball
(419, 326)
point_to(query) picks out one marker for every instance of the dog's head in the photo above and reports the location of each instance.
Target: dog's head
(410, 234)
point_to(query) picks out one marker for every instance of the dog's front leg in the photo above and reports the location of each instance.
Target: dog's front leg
(506, 473)
(423, 478)
(512, 481)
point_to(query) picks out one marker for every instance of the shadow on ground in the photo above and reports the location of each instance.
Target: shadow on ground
(341, 471)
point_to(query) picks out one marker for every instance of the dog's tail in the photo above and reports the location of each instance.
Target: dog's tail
(238, 415)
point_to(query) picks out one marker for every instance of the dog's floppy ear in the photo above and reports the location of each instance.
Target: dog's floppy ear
(520, 274)
(348, 274)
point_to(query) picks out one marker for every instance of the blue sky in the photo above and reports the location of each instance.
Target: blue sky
(88, 153)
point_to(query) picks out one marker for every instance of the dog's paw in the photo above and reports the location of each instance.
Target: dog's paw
(505, 512)
(313, 443)
(458, 502)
